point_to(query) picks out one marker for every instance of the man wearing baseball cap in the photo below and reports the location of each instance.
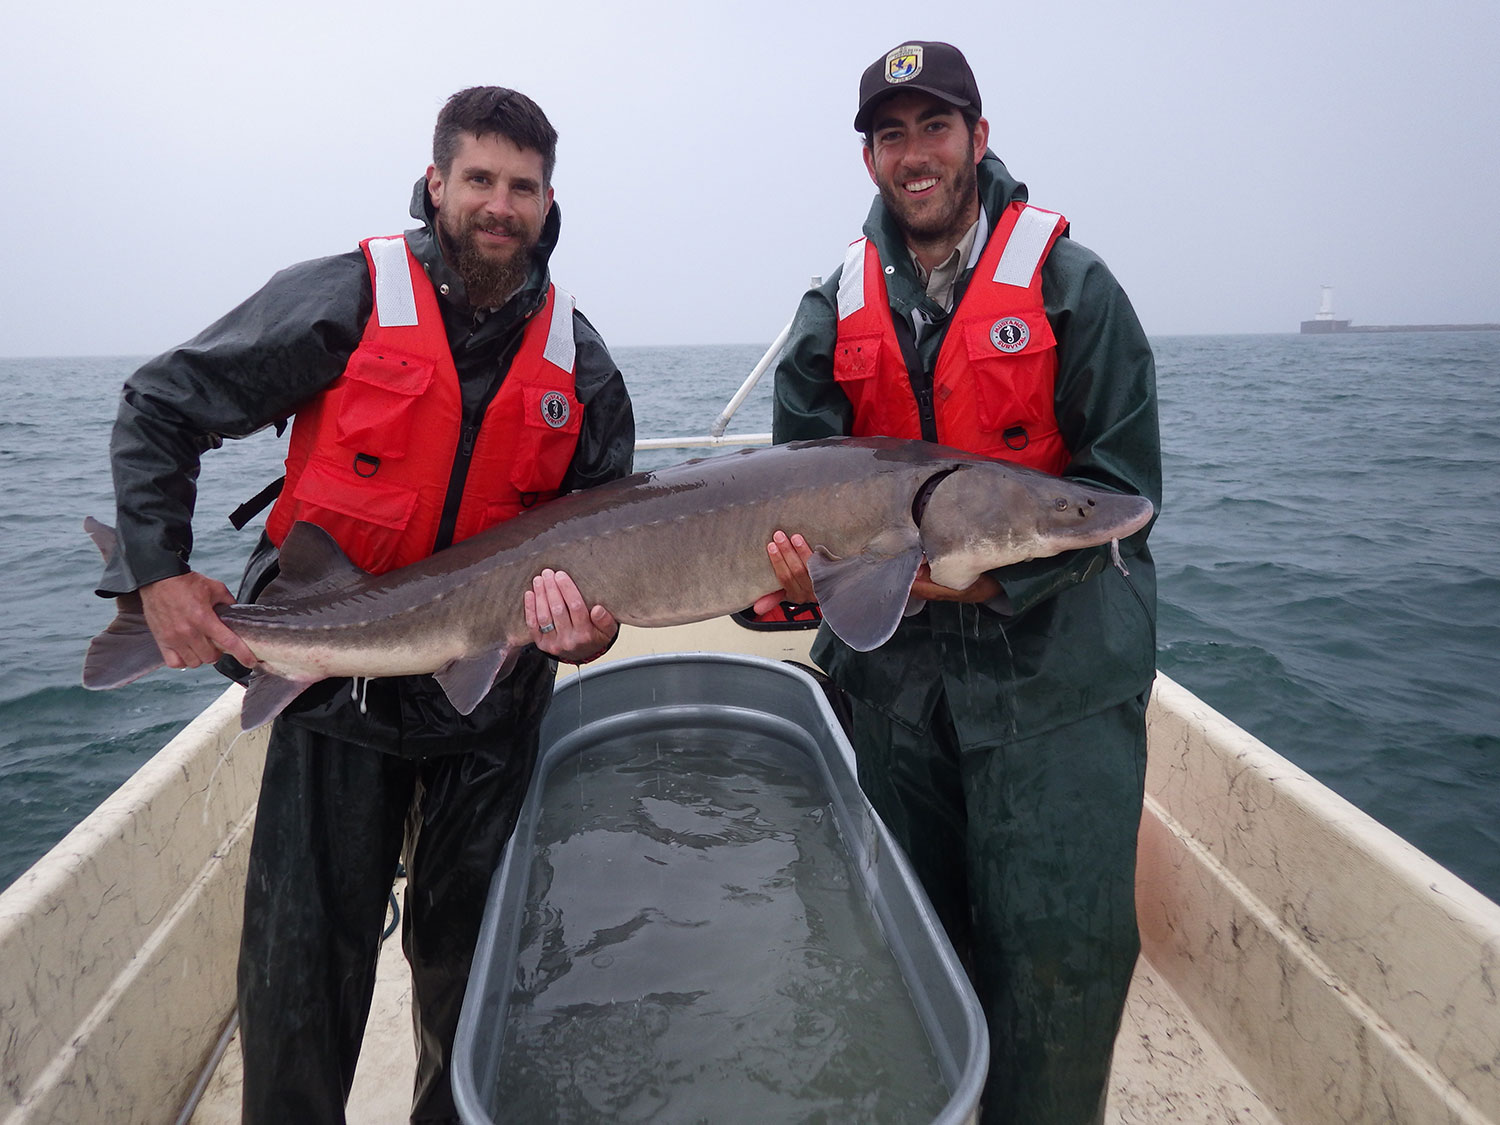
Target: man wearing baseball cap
(1001, 731)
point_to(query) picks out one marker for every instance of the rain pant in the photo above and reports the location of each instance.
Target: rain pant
(332, 823)
(354, 780)
(1004, 742)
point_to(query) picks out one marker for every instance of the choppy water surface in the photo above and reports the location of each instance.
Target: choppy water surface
(1329, 555)
(1330, 565)
(697, 948)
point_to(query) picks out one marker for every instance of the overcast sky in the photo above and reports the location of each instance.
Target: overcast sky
(162, 159)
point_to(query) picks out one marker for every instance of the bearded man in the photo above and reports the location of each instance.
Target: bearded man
(1000, 732)
(439, 383)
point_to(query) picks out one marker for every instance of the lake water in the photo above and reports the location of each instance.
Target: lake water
(1329, 554)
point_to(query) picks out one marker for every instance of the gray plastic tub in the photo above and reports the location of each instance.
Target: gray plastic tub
(718, 702)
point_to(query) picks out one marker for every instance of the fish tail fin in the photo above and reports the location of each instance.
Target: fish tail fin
(126, 650)
(103, 536)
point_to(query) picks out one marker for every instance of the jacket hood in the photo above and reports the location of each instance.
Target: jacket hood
(998, 189)
(428, 250)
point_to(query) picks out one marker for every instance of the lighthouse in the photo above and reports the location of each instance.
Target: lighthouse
(1324, 321)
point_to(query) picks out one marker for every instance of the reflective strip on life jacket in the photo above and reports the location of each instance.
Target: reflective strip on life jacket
(852, 279)
(395, 299)
(1029, 241)
(561, 350)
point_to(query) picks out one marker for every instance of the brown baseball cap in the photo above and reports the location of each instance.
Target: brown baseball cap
(939, 69)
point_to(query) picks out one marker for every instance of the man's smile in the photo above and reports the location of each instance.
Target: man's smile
(915, 186)
(502, 233)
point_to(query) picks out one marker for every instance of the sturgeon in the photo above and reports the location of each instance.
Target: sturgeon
(659, 548)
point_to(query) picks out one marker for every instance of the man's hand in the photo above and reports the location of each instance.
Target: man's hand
(180, 614)
(789, 560)
(983, 589)
(561, 622)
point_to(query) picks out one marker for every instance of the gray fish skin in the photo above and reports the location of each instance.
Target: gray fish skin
(668, 547)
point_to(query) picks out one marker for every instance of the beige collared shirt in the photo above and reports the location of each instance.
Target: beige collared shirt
(944, 276)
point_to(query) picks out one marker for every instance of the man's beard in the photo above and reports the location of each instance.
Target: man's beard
(947, 225)
(489, 280)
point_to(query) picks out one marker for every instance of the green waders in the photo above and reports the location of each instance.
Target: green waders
(1027, 851)
(333, 820)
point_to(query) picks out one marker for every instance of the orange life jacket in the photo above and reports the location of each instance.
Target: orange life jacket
(371, 459)
(996, 368)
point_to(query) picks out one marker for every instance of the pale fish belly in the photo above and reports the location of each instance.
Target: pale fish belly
(311, 656)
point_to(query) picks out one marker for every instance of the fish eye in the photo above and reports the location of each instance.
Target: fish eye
(1061, 503)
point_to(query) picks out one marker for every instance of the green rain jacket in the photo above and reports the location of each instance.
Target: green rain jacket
(1077, 636)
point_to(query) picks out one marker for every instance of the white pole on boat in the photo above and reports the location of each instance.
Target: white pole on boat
(715, 435)
(722, 422)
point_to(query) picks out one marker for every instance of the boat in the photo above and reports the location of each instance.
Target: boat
(1300, 962)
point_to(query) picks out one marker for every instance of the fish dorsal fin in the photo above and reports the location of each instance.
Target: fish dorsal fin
(465, 682)
(864, 596)
(311, 563)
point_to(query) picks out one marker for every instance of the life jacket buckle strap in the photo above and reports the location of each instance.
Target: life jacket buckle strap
(256, 504)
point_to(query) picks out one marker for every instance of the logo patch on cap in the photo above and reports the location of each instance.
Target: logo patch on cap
(1010, 334)
(555, 409)
(903, 64)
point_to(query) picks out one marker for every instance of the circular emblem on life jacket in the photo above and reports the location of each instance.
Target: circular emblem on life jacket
(1010, 334)
(555, 409)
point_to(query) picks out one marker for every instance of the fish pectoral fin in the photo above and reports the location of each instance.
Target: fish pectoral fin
(266, 696)
(468, 680)
(863, 596)
(310, 562)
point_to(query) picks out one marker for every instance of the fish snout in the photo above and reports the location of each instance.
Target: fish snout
(1103, 515)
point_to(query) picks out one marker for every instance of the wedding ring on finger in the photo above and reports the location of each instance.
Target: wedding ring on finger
(547, 628)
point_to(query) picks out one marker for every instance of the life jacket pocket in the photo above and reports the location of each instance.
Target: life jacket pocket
(1013, 362)
(551, 419)
(377, 401)
(856, 367)
(367, 516)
